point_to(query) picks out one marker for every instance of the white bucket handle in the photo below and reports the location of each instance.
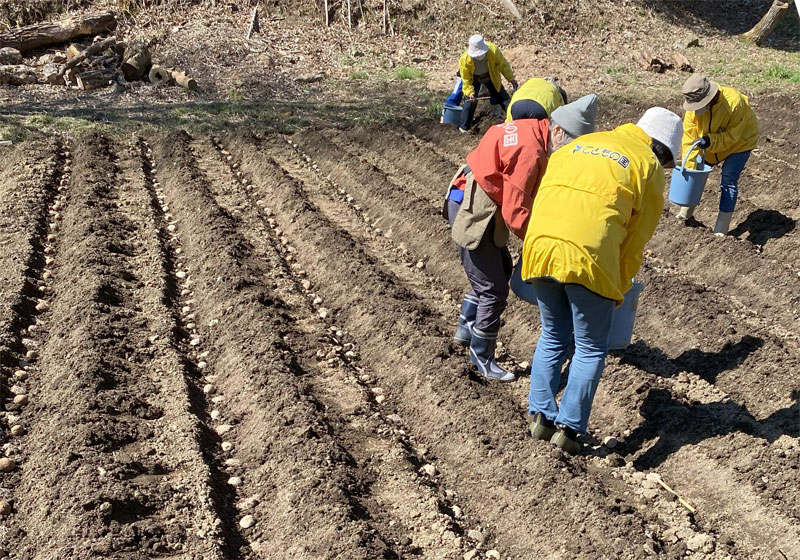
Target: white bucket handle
(689, 151)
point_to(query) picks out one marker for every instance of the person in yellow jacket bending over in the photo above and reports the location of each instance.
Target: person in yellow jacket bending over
(722, 119)
(483, 64)
(597, 206)
(536, 99)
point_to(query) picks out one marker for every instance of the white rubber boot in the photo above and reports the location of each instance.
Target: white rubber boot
(723, 224)
(685, 212)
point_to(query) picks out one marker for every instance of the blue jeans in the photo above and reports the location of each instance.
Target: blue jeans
(567, 310)
(731, 170)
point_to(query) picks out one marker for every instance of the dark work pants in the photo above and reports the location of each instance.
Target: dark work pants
(500, 97)
(488, 270)
(527, 109)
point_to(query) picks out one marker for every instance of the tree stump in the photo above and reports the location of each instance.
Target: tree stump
(41, 35)
(764, 27)
(136, 61)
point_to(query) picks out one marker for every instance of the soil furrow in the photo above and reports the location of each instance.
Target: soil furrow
(113, 480)
(28, 220)
(406, 507)
(468, 426)
(292, 475)
(426, 236)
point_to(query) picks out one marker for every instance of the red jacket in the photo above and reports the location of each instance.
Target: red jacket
(508, 164)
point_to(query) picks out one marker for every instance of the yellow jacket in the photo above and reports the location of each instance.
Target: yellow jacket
(496, 62)
(730, 124)
(539, 90)
(597, 207)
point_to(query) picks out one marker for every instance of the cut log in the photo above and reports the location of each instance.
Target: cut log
(94, 79)
(159, 75)
(764, 27)
(73, 50)
(17, 75)
(682, 62)
(41, 35)
(52, 74)
(92, 50)
(9, 55)
(136, 61)
(185, 81)
(646, 60)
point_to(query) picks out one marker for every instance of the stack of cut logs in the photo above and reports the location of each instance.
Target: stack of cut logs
(92, 59)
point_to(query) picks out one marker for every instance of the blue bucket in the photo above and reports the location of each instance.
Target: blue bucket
(622, 320)
(686, 186)
(451, 114)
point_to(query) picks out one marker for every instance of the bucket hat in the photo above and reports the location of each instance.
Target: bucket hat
(665, 126)
(698, 91)
(477, 46)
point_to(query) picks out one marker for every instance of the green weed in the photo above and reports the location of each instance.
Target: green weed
(615, 70)
(408, 73)
(783, 73)
(358, 75)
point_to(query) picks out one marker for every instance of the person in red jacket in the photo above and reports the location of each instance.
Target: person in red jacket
(491, 196)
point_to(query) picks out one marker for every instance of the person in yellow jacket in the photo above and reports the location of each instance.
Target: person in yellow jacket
(536, 99)
(727, 129)
(597, 206)
(483, 64)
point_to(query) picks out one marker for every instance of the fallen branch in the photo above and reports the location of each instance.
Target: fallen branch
(92, 50)
(45, 34)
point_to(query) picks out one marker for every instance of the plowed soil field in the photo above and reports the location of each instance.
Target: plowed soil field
(238, 346)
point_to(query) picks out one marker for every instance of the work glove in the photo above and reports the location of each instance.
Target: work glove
(472, 97)
(704, 143)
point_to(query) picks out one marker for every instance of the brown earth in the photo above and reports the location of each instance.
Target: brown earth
(236, 345)
(279, 309)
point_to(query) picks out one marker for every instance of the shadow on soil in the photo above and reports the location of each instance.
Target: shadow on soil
(732, 17)
(763, 225)
(707, 365)
(200, 116)
(676, 424)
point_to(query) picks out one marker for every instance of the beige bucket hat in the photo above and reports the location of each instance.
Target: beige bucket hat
(698, 91)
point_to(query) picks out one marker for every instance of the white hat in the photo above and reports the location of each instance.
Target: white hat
(665, 126)
(477, 46)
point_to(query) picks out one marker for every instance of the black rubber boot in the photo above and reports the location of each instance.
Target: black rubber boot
(469, 308)
(481, 353)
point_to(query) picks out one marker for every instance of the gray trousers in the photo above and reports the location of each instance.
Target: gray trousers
(488, 270)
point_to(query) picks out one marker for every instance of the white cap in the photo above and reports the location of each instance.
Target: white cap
(665, 126)
(477, 46)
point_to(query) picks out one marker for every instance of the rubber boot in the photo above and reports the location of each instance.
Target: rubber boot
(469, 308)
(542, 428)
(723, 224)
(567, 439)
(685, 213)
(481, 353)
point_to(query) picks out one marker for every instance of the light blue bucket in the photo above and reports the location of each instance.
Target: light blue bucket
(451, 114)
(624, 317)
(686, 186)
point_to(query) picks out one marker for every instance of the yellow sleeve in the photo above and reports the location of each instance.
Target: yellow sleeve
(466, 68)
(735, 130)
(691, 133)
(505, 67)
(641, 227)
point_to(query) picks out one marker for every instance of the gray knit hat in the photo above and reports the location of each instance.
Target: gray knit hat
(578, 117)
